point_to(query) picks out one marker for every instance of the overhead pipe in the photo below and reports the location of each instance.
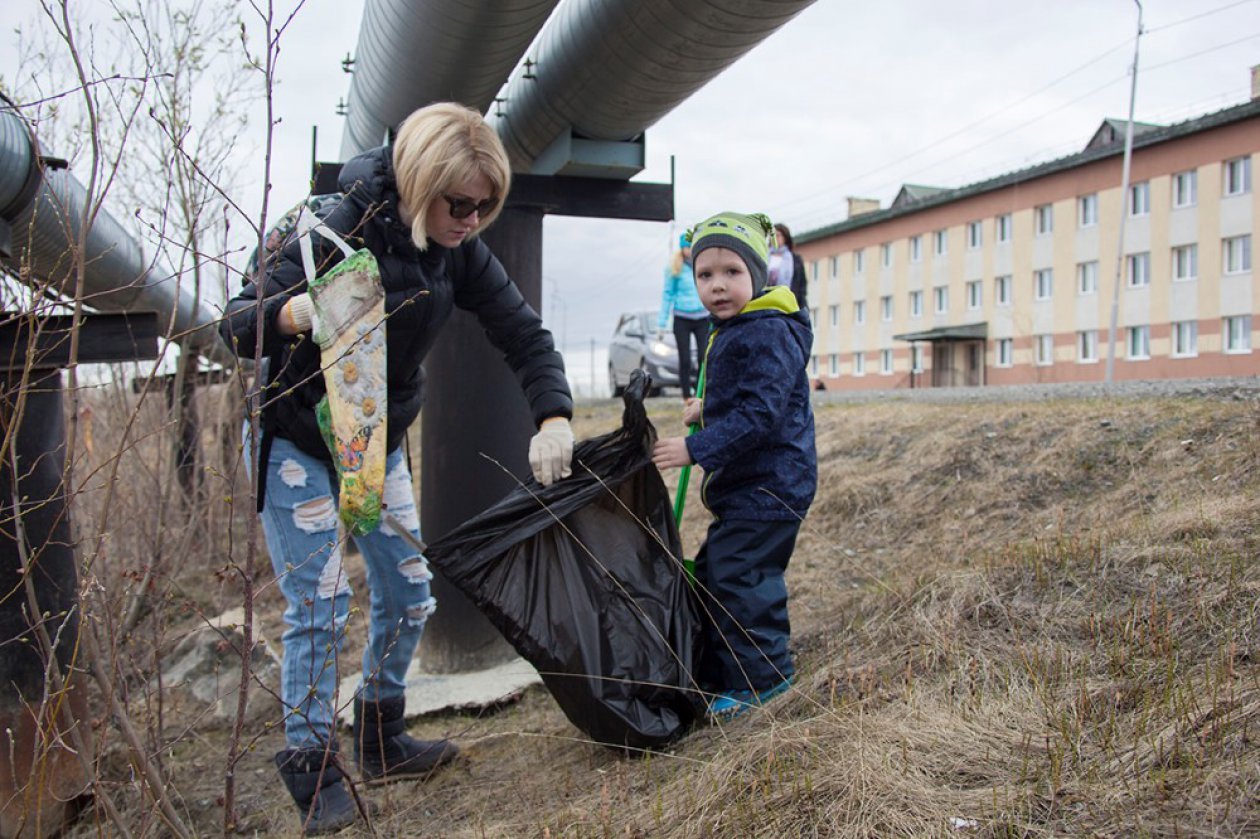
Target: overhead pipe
(43, 209)
(610, 69)
(414, 52)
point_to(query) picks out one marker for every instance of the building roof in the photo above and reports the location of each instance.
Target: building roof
(1113, 131)
(912, 193)
(1149, 135)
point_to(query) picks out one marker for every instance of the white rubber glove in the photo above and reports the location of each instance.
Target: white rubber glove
(551, 451)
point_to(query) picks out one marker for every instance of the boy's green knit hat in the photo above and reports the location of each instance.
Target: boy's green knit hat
(750, 236)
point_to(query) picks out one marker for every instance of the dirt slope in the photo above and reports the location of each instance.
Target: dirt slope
(1010, 620)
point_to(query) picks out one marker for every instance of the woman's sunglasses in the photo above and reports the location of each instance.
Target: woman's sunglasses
(462, 208)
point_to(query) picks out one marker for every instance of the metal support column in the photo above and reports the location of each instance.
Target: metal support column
(42, 770)
(475, 425)
(41, 773)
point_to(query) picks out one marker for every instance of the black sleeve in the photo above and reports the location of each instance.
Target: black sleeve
(482, 286)
(281, 277)
(800, 282)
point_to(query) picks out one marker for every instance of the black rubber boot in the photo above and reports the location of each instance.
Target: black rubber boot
(317, 787)
(384, 750)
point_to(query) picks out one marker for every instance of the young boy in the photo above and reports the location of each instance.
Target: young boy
(756, 446)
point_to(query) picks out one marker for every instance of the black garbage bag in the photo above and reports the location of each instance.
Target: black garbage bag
(584, 579)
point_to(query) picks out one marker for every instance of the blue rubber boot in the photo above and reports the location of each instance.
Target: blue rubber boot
(730, 704)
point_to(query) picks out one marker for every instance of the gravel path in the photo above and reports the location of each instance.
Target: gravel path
(1239, 388)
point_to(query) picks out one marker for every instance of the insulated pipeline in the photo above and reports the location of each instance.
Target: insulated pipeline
(45, 228)
(610, 69)
(414, 52)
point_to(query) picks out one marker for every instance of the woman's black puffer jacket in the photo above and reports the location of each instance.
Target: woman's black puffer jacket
(468, 276)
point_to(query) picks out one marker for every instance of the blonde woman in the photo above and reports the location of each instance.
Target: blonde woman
(418, 206)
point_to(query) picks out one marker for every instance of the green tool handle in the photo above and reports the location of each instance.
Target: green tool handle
(684, 477)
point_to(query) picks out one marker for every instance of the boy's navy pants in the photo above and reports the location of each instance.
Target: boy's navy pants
(743, 597)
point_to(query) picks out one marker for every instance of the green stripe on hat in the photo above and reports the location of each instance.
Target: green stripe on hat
(748, 235)
(755, 230)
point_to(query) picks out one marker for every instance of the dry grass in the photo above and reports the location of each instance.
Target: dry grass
(1010, 620)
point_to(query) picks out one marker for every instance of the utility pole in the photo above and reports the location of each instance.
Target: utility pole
(1124, 207)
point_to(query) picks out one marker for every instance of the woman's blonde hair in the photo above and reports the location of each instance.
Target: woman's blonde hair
(676, 262)
(440, 147)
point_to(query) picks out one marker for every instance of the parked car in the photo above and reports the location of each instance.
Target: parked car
(637, 345)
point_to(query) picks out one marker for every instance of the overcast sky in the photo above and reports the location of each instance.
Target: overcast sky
(849, 98)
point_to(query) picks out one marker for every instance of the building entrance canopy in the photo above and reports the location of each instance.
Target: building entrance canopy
(965, 332)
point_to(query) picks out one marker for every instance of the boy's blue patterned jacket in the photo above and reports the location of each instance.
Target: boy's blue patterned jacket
(756, 441)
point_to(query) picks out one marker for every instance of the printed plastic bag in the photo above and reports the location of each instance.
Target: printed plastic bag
(584, 579)
(349, 327)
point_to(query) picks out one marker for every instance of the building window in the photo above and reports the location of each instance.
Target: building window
(1087, 346)
(859, 312)
(1003, 352)
(833, 364)
(1185, 262)
(916, 358)
(835, 266)
(1238, 175)
(1087, 210)
(916, 304)
(886, 308)
(1002, 227)
(940, 298)
(1002, 290)
(1043, 219)
(1045, 349)
(1140, 199)
(1087, 277)
(833, 314)
(1185, 334)
(813, 314)
(916, 248)
(1137, 341)
(859, 364)
(1237, 332)
(1185, 189)
(1138, 267)
(940, 242)
(975, 235)
(859, 261)
(885, 362)
(975, 294)
(885, 254)
(1237, 254)
(813, 270)
(1043, 284)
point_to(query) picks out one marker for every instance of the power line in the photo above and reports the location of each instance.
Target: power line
(1199, 15)
(970, 126)
(1203, 52)
(1020, 126)
(1025, 124)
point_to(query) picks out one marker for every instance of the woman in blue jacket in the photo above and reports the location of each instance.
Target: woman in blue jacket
(691, 320)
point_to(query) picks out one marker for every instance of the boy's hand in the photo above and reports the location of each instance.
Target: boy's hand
(671, 452)
(691, 410)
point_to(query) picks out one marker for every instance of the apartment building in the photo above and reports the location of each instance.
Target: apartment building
(1012, 280)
